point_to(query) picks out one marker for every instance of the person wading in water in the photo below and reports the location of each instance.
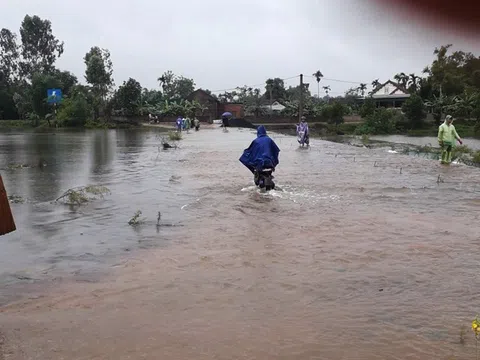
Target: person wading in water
(446, 139)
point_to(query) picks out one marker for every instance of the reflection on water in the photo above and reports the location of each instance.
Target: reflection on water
(52, 237)
(359, 253)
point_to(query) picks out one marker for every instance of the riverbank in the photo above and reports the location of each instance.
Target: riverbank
(43, 124)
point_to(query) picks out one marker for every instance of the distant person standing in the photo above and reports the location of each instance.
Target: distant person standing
(303, 135)
(179, 124)
(196, 123)
(446, 139)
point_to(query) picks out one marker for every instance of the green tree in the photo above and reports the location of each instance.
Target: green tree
(9, 57)
(254, 104)
(334, 113)
(375, 84)
(379, 123)
(175, 87)
(74, 111)
(437, 106)
(277, 88)
(414, 110)
(99, 74)
(362, 88)
(127, 99)
(293, 93)
(40, 84)
(226, 97)
(327, 89)
(402, 79)
(368, 108)
(40, 48)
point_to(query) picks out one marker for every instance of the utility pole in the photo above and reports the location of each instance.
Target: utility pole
(300, 105)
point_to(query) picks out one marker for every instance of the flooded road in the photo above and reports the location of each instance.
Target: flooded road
(360, 253)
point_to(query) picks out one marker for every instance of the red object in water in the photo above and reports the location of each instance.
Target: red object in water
(464, 14)
(7, 224)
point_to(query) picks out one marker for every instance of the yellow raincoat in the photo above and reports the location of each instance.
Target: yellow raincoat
(446, 139)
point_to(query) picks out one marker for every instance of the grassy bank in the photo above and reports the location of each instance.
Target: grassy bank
(462, 129)
(325, 129)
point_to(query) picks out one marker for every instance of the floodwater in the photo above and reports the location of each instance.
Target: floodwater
(360, 253)
(423, 140)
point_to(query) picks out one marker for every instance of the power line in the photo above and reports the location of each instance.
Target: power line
(288, 78)
(337, 80)
(253, 86)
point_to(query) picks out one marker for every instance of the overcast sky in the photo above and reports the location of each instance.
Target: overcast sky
(222, 44)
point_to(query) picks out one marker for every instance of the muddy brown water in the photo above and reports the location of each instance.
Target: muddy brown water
(346, 260)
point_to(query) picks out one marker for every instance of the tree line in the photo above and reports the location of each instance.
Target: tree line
(451, 83)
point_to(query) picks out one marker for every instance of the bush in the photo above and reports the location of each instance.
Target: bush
(333, 113)
(381, 122)
(368, 108)
(74, 111)
(174, 135)
(476, 157)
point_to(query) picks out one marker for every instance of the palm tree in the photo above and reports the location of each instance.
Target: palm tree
(327, 89)
(402, 79)
(318, 76)
(414, 83)
(162, 80)
(375, 84)
(362, 88)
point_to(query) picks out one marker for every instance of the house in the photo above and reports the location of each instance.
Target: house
(236, 109)
(390, 94)
(211, 105)
(273, 106)
(213, 109)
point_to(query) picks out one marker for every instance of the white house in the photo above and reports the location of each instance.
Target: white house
(275, 106)
(390, 94)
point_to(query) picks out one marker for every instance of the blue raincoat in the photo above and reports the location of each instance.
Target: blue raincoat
(262, 152)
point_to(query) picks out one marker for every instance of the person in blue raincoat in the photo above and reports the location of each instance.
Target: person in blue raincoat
(262, 152)
(179, 124)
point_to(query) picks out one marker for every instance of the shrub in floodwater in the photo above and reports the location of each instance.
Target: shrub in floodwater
(365, 139)
(462, 152)
(83, 194)
(476, 157)
(379, 123)
(136, 220)
(175, 135)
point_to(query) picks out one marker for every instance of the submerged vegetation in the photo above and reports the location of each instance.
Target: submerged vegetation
(136, 219)
(83, 194)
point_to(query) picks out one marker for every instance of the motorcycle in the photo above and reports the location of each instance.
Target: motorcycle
(264, 179)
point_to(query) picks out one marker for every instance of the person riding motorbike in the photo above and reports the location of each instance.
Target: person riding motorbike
(302, 132)
(261, 158)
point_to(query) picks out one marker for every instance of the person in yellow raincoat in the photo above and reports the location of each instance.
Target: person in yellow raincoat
(446, 139)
